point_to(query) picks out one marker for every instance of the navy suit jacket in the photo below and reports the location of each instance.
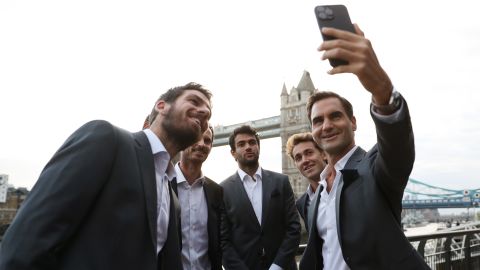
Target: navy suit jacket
(93, 207)
(369, 203)
(248, 245)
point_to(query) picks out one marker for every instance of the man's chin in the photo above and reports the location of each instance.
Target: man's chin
(186, 139)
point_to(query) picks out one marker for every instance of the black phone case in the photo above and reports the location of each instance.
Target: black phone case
(335, 16)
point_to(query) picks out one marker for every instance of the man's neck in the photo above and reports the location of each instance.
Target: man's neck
(191, 171)
(334, 158)
(171, 147)
(250, 170)
(314, 184)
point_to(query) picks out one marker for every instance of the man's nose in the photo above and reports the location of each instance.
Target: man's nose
(303, 161)
(204, 111)
(327, 124)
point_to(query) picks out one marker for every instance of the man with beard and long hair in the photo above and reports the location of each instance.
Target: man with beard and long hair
(261, 229)
(201, 204)
(104, 200)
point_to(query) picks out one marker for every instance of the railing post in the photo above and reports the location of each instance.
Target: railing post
(467, 251)
(421, 247)
(448, 252)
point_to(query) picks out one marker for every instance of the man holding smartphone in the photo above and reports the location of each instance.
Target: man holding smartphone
(356, 217)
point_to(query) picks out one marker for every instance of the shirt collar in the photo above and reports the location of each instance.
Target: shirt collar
(343, 161)
(310, 192)
(338, 166)
(181, 177)
(258, 173)
(159, 150)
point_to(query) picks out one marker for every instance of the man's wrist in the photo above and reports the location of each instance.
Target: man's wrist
(392, 105)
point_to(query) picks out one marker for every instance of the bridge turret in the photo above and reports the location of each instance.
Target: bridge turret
(284, 96)
(294, 96)
(305, 86)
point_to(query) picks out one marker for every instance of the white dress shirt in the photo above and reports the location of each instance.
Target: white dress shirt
(194, 218)
(254, 190)
(164, 172)
(310, 194)
(326, 219)
(254, 193)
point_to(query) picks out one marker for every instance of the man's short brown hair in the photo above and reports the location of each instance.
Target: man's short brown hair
(173, 93)
(245, 129)
(347, 106)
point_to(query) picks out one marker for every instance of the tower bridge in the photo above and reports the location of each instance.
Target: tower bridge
(293, 119)
(419, 195)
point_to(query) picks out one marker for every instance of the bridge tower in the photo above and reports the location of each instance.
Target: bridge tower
(293, 119)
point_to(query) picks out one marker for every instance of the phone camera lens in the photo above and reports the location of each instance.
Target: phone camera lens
(325, 13)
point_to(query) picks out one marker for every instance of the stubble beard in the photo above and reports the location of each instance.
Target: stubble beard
(249, 163)
(181, 137)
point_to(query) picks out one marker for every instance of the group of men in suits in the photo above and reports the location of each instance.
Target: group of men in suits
(111, 199)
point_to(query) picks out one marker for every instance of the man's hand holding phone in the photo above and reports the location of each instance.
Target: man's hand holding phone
(356, 55)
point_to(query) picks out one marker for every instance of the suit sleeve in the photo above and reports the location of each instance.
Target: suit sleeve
(396, 152)
(230, 258)
(286, 252)
(62, 196)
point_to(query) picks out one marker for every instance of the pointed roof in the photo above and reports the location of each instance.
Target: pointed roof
(284, 90)
(306, 82)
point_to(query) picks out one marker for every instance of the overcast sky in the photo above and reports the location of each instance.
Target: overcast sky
(63, 63)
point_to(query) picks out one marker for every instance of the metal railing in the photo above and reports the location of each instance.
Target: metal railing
(458, 250)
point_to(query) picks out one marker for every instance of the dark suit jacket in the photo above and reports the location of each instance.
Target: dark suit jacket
(248, 245)
(302, 208)
(93, 207)
(214, 196)
(369, 204)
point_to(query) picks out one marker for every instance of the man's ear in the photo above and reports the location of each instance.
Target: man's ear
(161, 107)
(354, 123)
(232, 152)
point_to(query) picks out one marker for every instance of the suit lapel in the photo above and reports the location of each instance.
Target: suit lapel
(244, 197)
(147, 171)
(267, 186)
(208, 192)
(312, 256)
(305, 209)
(349, 174)
(169, 256)
(312, 210)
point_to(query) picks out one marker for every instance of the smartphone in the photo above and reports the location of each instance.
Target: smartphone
(335, 16)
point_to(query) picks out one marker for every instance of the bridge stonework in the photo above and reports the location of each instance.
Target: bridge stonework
(293, 119)
(293, 115)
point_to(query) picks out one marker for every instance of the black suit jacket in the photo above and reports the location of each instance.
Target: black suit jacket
(93, 207)
(369, 204)
(302, 208)
(214, 196)
(248, 245)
